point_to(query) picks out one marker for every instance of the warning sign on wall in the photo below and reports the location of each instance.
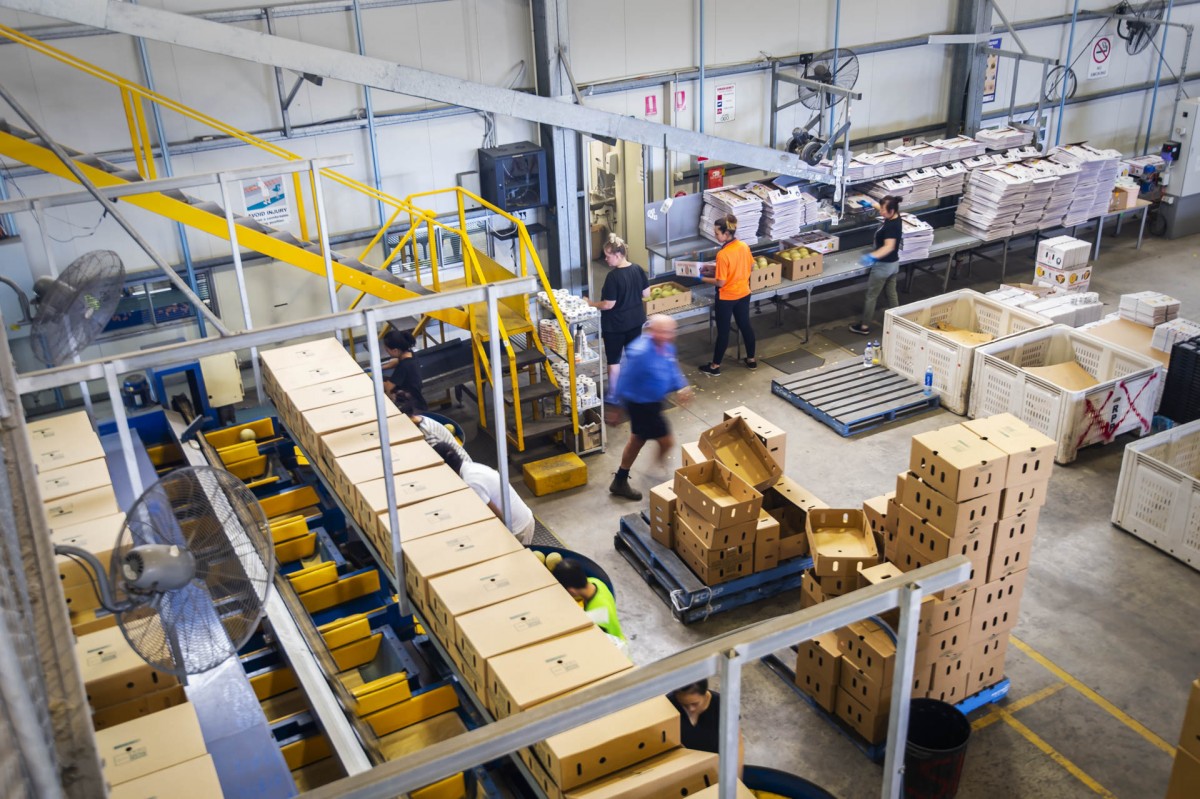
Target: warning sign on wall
(1101, 54)
(725, 103)
(651, 105)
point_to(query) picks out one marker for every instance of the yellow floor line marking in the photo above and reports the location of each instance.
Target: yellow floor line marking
(1020, 704)
(1112, 709)
(1074, 770)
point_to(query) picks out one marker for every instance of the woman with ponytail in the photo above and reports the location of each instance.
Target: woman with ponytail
(732, 279)
(884, 261)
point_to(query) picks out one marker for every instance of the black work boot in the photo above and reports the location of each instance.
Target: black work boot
(621, 487)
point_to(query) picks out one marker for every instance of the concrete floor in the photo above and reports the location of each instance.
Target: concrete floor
(1107, 635)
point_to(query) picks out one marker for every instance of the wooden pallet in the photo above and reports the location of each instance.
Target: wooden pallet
(852, 397)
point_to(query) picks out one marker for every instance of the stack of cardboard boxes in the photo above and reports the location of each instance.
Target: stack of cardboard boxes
(1185, 774)
(1062, 265)
(972, 489)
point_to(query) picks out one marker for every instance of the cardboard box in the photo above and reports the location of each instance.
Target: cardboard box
(836, 586)
(112, 672)
(818, 669)
(692, 454)
(986, 664)
(870, 723)
(96, 536)
(663, 504)
(766, 542)
(302, 375)
(802, 268)
(64, 481)
(474, 587)
(948, 682)
(410, 487)
(815, 240)
(442, 553)
(714, 498)
(957, 463)
(680, 772)
(682, 297)
(948, 644)
(688, 544)
(526, 677)
(191, 779)
(863, 688)
(1123, 198)
(789, 503)
(137, 708)
(366, 436)
(149, 744)
(938, 615)
(873, 575)
(1185, 776)
(609, 744)
(765, 277)
(772, 437)
(714, 792)
(952, 518)
(891, 529)
(811, 592)
(722, 538)
(867, 647)
(1009, 561)
(325, 394)
(85, 506)
(840, 541)
(1189, 736)
(1023, 497)
(59, 441)
(909, 558)
(876, 510)
(936, 545)
(456, 509)
(352, 413)
(996, 606)
(1012, 532)
(366, 466)
(1030, 452)
(734, 443)
(319, 350)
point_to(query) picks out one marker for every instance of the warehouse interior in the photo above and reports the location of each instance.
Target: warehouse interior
(238, 562)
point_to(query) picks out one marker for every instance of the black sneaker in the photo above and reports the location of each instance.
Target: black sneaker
(621, 487)
(860, 330)
(750, 364)
(710, 370)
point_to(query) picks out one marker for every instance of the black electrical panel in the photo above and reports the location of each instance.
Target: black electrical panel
(513, 176)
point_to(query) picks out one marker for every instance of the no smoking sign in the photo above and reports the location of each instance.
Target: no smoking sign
(1100, 56)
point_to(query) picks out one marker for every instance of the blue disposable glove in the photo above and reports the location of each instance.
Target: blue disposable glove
(868, 260)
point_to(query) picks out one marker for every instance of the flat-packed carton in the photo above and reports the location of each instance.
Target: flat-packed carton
(191, 779)
(526, 677)
(679, 772)
(607, 745)
(366, 436)
(1030, 452)
(691, 453)
(766, 542)
(996, 606)
(870, 723)
(410, 487)
(952, 518)
(57, 483)
(112, 672)
(840, 541)
(818, 669)
(456, 509)
(663, 504)
(136, 708)
(1023, 497)
(434, 555)
(1185, 776)
(771, 436)
(1189, 736)
(734, 443)
(867, 647)
(151, 743)
(460, 592)
(85, 506)
(712, 494)
(811, 592)
(97, 536)
(59, 441)
(957, 463)
(516, 623)
(936, 545)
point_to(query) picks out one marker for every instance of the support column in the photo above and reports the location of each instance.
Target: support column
(967, 68)
(564, 243)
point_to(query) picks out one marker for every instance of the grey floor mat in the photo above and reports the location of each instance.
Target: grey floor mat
(792, 361)
(840, 334)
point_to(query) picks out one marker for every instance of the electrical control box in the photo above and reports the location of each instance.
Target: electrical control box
(513, 176)
(1185, 172)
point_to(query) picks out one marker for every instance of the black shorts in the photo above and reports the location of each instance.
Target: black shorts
(646, 420)
(615, 343)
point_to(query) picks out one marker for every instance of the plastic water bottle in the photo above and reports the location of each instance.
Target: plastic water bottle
(928, 381)
(867, 353)
(876, 352)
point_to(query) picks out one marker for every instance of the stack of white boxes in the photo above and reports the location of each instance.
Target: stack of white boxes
(952, 179)
(1003, 137)
(744, 205)
(1063, 309)
(1150, 308)
(1062, 265)
(993, 198)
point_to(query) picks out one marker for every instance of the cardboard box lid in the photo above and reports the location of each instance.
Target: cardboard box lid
(72, 479)
(958, 463)
(716, 493)
(150, 743)
(350, 413)
(191, 779)
(518, 622)
(411, 487)
(437, 515)
(366, 436)
(315, 372)
(733, 443)
(542, 671)
(323, 394)
(1010, 435)
(492, 581)
(365, 466)
(441, 553)
(82, 507)
(63, 440)
(680, 772)
(321, 349)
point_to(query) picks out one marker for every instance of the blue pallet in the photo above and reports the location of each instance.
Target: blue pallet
(852, 397)
(688, 598)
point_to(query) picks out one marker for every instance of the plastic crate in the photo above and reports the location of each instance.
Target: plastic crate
(1181, 391)
(909, 346)
(1158, 495)
(1122, 401)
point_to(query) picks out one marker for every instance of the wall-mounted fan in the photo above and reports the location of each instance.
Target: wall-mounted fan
(190, 571)
(823, 70)
(70, 310)
(1139, 33)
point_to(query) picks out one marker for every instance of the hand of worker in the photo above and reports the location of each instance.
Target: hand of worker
(868, 260)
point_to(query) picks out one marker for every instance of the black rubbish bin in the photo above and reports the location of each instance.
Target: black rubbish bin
(937, 745)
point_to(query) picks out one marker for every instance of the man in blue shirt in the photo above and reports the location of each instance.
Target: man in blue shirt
(649, 372)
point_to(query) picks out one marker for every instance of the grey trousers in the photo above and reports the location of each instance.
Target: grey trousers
(882, 279)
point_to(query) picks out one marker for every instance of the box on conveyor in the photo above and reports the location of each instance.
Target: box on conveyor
(363, 467)
(408, 488)
(322, 395)
(431, 516)
(514, 624)
(679, 772)
(818, 669)
(56, 484)
(713, 792)
(363, 437)
(112, 672)
(192, 779)
(86, 506)
(840, 542)
(466, 590)
(149, 744)
(434, 555)
(537, 673)
(720, 507)
(59, 441)
(957, 463)
(771, 436)
(734, 443)
(789, 503)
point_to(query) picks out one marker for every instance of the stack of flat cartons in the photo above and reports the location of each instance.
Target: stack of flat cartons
(1150, 308)
(993, 198)
(1185, 774)
(952, 179)
(1002, 137)
(744, 205)
(784, 210)
(1062, 265)
(918, 238)
(1168, 334)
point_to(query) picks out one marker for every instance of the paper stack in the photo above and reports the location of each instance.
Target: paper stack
(958, 148)
(899, 186)
(881, 163)
(1149, 308)
(743, 204)
(1168, 334)
(783, 210)
(1061, 193)
(925, 183)
(993, 198)
(1004, 137)
(1097, 173)
(1106, 177)
(918, 238)
(1069, 309)
(1024, 153)
(1144, 165)
(1032, 213)
(952, 179)
(921, 154)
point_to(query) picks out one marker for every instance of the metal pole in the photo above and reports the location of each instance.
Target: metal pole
(493, 308)
(700, 80)
(1012, 97)
(369, 107)
(1162, 56)
(730, 669)
(1066, 75)
(774, 104)
(280, 89)
(6, 220)
(837, 30)
(239, 273)
(906, 654)
(118, 410)
(385, 443)
(326, 252)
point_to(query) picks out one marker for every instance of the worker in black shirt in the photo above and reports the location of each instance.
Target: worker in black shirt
(700, 719)
(404, 383)
(884, 261)
(622, 311)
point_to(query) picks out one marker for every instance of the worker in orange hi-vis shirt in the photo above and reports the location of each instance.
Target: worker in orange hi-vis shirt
(732, 279)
